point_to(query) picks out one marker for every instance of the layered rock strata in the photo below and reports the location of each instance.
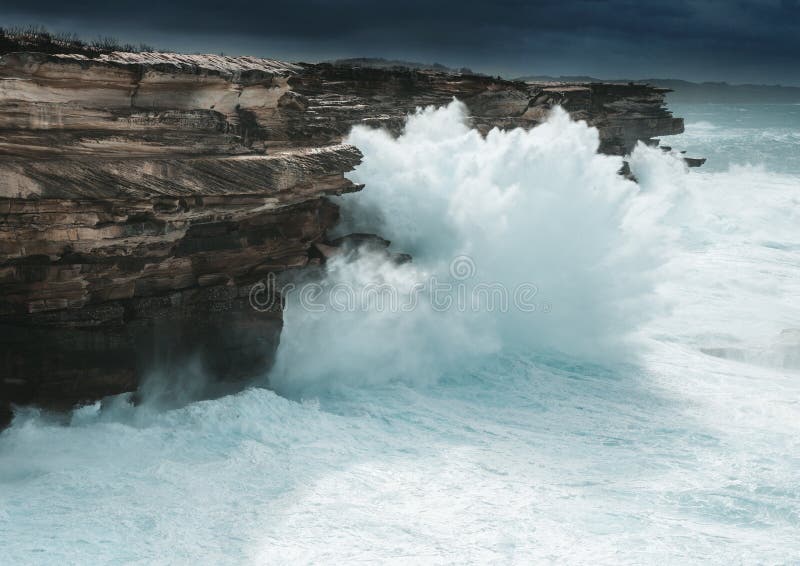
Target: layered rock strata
(141, 195)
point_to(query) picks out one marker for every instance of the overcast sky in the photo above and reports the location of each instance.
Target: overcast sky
(733, 40)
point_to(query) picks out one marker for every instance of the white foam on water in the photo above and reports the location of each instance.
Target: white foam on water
(670, 448)
(518, 212)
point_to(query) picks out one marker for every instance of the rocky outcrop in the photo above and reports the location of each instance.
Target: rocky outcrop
(141, 195)
(336, 97)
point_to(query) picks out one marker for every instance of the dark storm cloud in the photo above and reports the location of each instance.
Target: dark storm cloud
(737, 40)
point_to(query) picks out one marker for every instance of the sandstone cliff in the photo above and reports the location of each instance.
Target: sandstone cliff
(141, 195)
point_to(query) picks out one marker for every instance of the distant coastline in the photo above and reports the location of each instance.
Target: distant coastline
(682, 91)
(691, 92)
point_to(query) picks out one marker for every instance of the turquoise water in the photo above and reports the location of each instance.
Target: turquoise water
(757, 134)
(652, 415)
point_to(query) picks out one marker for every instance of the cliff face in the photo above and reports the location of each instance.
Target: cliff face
(141, 196)
(338, 97)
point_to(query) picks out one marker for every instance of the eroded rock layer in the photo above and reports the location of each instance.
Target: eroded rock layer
(142, 195)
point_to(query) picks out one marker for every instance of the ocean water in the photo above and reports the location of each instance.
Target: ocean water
(647, 410)
(765, 135)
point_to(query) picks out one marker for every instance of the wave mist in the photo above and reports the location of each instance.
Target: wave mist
(540, 207)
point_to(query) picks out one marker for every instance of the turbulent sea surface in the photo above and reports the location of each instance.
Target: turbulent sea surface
(648, 410)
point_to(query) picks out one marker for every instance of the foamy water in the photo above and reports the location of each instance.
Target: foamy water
(731, 135)
(652, 414)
